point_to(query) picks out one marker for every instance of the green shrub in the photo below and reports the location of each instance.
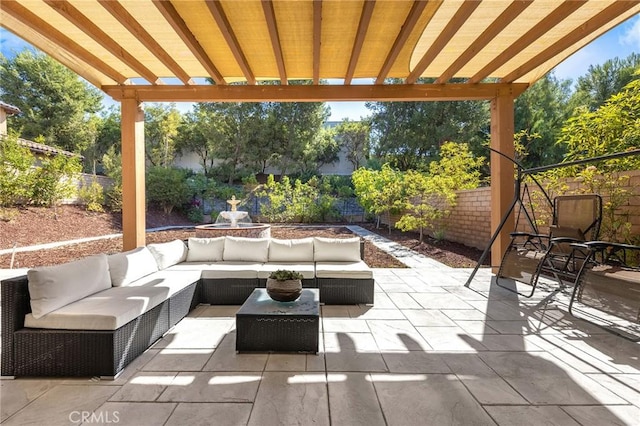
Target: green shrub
(92, 196)
(53, 180)
(195, 214)
(16, 164)
(167, 187)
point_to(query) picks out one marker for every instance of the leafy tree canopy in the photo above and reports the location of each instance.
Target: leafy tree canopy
(54, 101)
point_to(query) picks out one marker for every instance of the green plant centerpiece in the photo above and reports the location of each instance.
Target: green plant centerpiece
(284, 286)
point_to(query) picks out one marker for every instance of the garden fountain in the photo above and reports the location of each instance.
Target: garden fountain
(234, 222)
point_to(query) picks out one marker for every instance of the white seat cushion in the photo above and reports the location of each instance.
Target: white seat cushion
(246, 249)
(336, 249)
(107, 310)
(295, 250)
(355, 270)
(190, 266)
(131, 265)
(221, 270)
(173, 281)
(168, 254)
(53, 287)
(205, 249)
(306, 269)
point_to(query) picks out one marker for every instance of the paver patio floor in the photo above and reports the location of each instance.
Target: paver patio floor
(430, 352)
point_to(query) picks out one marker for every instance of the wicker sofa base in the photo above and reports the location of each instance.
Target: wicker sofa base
(227, 291)
(345, 291)
(81, 353)
(43, 352)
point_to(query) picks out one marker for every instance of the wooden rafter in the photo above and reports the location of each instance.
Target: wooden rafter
(403, 35)
(134, 27)
(317, 39)
(606, 15)
(21, 14)
(227, 32)
(316, 93)
(452, 27)
(180, 27)
(363, 26)
(495, 28)
(270, 16)
(547, 23)
(92, 30)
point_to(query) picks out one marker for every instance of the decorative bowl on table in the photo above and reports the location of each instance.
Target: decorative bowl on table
(284, 286)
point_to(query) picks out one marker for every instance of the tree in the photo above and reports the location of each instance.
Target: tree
(55, 102)
(294, 127)
(379, 191)
(160, 130)
(613, 127)
(409, 134)
(430, 198)
(603, 81)
(539, 115)
(200, 133)
(354, 140)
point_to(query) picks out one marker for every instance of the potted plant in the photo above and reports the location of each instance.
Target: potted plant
(284, 285)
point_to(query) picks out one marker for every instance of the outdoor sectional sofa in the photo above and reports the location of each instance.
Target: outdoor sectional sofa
(93, 316)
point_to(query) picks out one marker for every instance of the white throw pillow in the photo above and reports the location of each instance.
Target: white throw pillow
(205, 249)
(336, 249)
(296, 250)
(131, 265)
(246, 249)
(53, 287)
(168, 254)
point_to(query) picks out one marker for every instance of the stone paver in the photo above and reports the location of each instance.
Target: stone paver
(431, 351)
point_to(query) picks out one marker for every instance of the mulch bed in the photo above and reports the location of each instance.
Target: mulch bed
(32, 226)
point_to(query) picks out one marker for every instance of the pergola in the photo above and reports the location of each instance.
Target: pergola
(160, 51)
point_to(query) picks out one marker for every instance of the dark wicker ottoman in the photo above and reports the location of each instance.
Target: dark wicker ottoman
(264, 325)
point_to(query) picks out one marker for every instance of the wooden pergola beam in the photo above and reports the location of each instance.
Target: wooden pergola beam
(272, 25)
(453, 26)
(72, 14)
(593, 24)
(547, 23)
(312, 93)
(408, 26)
(130, 23)
(21, 14)
(232, 41)
(363, 26)
(495, 28)
(180, 27)
(317, 39)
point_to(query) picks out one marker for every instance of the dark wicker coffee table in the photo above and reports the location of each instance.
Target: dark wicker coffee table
(264, 325)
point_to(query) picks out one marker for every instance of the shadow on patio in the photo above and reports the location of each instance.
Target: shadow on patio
(430, 351)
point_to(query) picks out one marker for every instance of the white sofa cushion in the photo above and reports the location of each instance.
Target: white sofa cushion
(205, 249)
(131, 265)
(107, 310)
(168, 254)
(354, 270)
(246, 249)
(173, 281)
(307, 270)
(336, 249)
(296, 250)
(226, 270)
(52, 287)
(189, 266)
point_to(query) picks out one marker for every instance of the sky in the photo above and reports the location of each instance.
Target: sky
(619, 42)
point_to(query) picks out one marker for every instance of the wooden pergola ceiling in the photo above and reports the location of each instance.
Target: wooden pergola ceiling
(160, 50)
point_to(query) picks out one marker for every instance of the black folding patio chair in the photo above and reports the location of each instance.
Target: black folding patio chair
(576, 218)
